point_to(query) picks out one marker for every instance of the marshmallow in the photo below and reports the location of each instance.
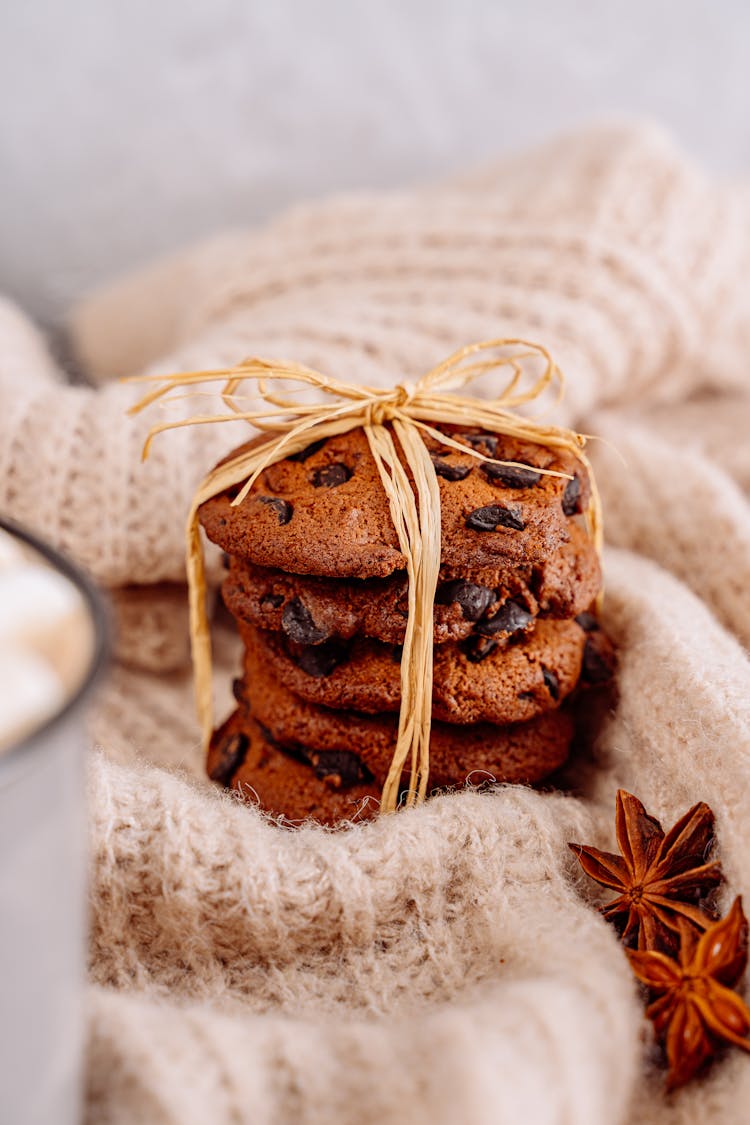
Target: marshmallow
(10, 552)
(30, 692)
(34, 600)
(45, 639)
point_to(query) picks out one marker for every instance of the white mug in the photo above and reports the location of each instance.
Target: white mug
(43, 876)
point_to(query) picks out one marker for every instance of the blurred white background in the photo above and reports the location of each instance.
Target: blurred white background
(130, 127)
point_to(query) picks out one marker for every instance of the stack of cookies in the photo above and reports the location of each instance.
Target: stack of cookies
(317, 585)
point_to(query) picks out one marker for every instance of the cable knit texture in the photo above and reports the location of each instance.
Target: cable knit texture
(445, 964)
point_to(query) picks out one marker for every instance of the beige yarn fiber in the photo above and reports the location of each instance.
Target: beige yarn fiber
(443, 965)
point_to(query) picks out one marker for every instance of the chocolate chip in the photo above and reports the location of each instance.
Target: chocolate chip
(340, 768)
(485, 443)
(597, 663)
(588, 622)
(282, 508)
(510, 476)
(525, 695)
(229, 758)
(450, 472)
(271, 601)
(571, 501)
(225, 560)
(474, 600)
(320, 660)
(477, 648)
(552, 682)
(298, 624)
(510, 618)
(268, 737)
(493, 516)
(238, 689)
(331, 475)
(308, 451)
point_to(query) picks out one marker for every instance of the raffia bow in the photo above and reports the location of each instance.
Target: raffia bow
(404, 411)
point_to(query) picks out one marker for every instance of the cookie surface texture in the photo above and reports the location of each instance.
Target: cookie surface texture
(521, 753)
(561, 586)
(326, 512)
(479, 680)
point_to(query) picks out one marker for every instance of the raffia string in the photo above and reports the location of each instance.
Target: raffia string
(404, 412)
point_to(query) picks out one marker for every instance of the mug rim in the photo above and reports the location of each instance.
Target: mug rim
(99, 617)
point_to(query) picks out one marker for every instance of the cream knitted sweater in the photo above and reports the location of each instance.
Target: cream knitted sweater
(443, 965)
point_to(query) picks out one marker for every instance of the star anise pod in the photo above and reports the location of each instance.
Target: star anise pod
(696, 1012)
(660, 878)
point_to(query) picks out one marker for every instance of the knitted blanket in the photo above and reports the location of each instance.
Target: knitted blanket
(445, 964)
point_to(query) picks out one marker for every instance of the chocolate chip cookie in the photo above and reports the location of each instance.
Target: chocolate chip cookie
(523, 752)
(310, 609)
(478, 680)
(243, 757)
(324, 511)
